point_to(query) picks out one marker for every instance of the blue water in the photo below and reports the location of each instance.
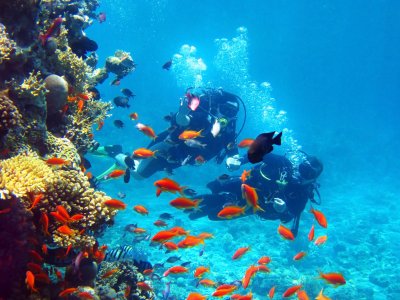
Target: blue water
(333, 67)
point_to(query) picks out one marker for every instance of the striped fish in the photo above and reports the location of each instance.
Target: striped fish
(128, 253)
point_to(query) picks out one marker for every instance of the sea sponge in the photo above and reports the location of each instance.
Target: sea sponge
(7, 46)
(58, 93)
(9, 114)
(27, 174)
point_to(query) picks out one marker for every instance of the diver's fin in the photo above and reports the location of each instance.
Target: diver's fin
(277, 140)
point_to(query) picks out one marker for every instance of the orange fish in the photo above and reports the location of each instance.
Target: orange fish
(320, 217)
(58, 217)
(321, 240)
(190, 134)
(271, 293)
(227, 287)
(147, 130)
(85, 295)
(163, 236)
(63, 212)
(175, 270)
(89, 175)
(333, 278)
(160, 223)
(311, 233)
(36, 256)
(5, 211)
(245, 143)
(144, 286)
(171, 246)
(67, 292)
(116, 174)
(185, 203)
(144, 153)
(207, 282)
(321, 296)
(76, 218)
(199, 272)
(263, 268)
(245, 175)
(302, 295)
(264, 260)
(249, 193)
(286, 233)
(36, 199)
(242, 297)
(139, 230)
(134, 116)
(141, 209)
(30, 281)
(127, 291)
(110, 273)
(291, 291)
(250, 272)
(299, 255)
(240, 252)
(59, 275)
(196, 296)
(43, 277)
(35, 268)
(44, 249)
(169, 185)
(148, 272)
(64, 229)
(114, 203)
(229, 212)
(205, 235)
(80, 105)
(179, 231)
(222, 292)
(190, 241)
(100, 125)
(55, 161)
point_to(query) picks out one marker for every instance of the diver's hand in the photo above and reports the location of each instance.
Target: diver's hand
(182, 118)
(233, 163)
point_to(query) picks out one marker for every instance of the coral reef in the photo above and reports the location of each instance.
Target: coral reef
(27, 175)
(114, 286)
(7, 46)
(9, 114)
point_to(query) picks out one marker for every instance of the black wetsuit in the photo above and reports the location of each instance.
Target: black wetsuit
(227, 191)
(173, 152)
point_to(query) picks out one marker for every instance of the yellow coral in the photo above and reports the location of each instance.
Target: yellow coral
(6, 45)
(75, 68)
(33, 87)
(70, 188)
(24, 174)
(62, 147)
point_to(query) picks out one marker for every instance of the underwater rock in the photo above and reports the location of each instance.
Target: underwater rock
(99, 76)
(120, 64)
(57, 95)
(379, 279)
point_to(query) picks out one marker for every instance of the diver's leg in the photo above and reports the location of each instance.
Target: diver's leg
(210, 206)
(147, 167)
(103, 175)
(231, 185)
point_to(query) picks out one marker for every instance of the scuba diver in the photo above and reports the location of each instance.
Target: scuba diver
(283, 192)
(213, 112)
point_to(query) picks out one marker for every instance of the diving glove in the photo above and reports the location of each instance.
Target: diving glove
(233, 163)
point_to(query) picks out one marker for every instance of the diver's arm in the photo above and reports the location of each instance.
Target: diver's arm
(182, 116)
